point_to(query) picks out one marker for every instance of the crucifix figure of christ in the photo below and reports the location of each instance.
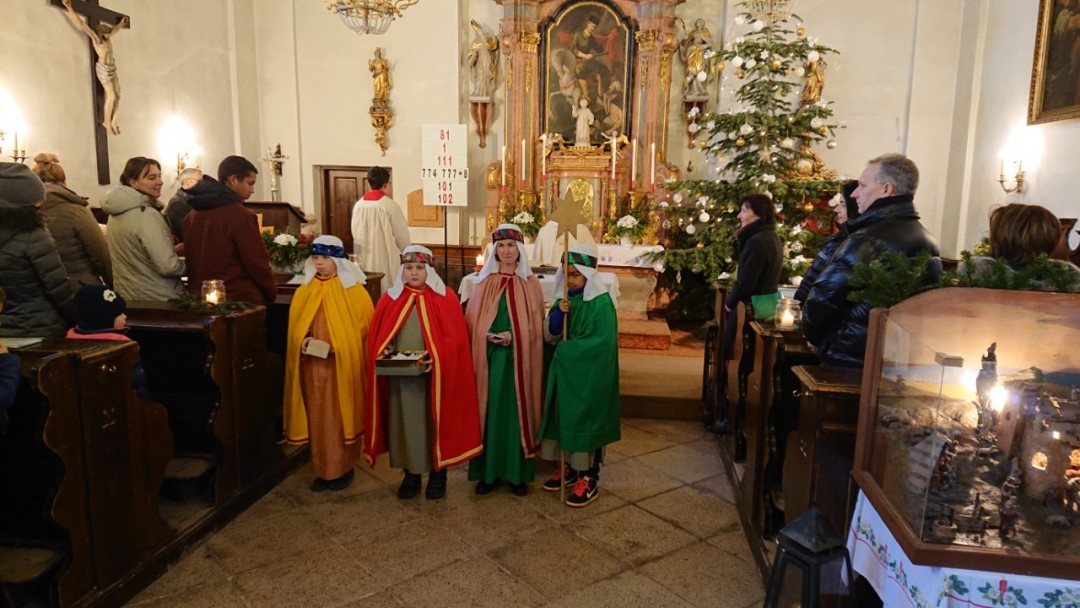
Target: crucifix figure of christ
(100, 25)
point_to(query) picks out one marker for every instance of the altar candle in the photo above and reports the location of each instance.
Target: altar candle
(479, 261)
(787, 320)
(633, 164)
(543, 157)
(502, 167)
(652, 167)
(613, 144)
(16, 149)
(522, 163)
(1001, 174)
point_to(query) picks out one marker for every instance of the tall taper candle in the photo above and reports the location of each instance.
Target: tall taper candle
(543, 158)
(633, 164)
(613, 144)
(523, 163)
(652, 167)
(502, 169)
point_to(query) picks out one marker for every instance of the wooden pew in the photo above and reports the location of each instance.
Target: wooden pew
(105, 455)
(821, 452)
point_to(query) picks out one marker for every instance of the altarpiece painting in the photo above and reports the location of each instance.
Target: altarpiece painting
(1055, 73)
(586, 55)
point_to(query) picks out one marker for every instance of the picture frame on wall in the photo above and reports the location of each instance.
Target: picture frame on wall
(1055, 70)
(585, 51)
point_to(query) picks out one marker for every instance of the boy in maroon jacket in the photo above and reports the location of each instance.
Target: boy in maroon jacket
(221, 236)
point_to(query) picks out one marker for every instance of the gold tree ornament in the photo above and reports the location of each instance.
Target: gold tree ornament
(800, 31)
(740, 142)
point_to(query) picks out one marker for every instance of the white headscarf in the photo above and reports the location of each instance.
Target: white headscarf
(491, 266)
(332, 246)
(433, 280)
(593, 285)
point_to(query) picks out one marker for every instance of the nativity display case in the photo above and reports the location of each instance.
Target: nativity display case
(969, 429)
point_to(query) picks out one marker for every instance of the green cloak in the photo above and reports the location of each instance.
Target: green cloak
(583, 380)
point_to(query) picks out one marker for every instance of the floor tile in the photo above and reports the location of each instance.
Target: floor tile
(547, 504)
(214, 595)
(375, 600)
(719, 485)
(684, 463)
(329, 577)
(695, 510)
(291, 534)
(351, 517)
(497, 521)
(631, 480)
(199, 567)
(636, 441)
(692, 572)
(405, 551)
(733, 542)
(557, 562)
(476, 582)
(627, 589)
(678, 431)
(276, 502)
(633, 534)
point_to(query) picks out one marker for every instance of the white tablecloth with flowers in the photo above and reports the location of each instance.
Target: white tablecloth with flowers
(876, 555)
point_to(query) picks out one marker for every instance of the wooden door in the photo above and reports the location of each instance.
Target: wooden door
(340, 187)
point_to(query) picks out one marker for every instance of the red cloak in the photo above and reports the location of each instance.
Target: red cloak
(453, 385)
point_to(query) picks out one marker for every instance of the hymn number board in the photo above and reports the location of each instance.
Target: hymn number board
(445, 165)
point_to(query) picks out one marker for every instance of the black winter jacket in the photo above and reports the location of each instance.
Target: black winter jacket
(39, 296)
(838, 327)
(760, 262)
(10, 370)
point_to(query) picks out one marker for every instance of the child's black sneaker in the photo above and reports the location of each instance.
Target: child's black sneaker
(567, 476)
(585, 491)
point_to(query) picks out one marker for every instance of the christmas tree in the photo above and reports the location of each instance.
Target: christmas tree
(763, 145)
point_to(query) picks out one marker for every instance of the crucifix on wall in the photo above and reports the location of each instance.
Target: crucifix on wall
(100, 26)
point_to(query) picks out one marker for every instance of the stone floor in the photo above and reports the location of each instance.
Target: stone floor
(664, 532)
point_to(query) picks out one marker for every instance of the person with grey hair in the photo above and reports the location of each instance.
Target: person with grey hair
(888, 222)
(178, 206)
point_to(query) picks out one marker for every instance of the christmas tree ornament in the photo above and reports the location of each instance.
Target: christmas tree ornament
(737, 61)
(700, 246)
(691, 229)
(757, 25)
(777, 64)
(816, 122)
(831, 144)
(741, 74)
(808, 207)
(787, 143)
(800, 31)
(824, 129)
(740, 142)
(704, 217)
(740, 20)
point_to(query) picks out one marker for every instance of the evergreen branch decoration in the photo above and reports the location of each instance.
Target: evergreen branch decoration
(892, 278)
(190, 303)
(1042, 274)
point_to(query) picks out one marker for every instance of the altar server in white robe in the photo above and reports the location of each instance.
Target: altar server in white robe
(379, 229)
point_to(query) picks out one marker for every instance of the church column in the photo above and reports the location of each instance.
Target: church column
(656, 43)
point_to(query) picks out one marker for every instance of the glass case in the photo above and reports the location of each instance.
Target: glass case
(969, 429)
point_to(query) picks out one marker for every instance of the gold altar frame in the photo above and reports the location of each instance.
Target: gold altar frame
(557, 33)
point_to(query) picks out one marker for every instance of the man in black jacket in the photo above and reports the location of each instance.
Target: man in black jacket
(888, 222)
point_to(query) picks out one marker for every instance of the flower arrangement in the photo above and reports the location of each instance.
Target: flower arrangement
(526, 219)
(287, 250)
(627, 226)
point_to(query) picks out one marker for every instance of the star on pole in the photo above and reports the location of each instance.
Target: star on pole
(568, 215)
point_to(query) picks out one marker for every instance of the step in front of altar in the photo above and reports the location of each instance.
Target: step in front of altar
(644, 334)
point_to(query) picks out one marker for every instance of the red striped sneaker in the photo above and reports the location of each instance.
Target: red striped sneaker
(585, 491)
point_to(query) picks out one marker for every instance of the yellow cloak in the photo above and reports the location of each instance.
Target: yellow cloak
(348, 314)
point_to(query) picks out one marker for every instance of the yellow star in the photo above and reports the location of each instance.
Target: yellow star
(568, 216)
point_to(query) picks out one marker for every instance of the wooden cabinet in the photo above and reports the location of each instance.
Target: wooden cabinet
(817, 467)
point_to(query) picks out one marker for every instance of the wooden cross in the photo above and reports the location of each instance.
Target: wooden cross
(96, 15)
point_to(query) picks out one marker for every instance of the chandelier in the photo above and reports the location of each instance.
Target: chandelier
(770, 11)
(368, 16)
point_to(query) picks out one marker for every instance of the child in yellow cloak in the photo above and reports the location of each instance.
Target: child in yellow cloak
(325, 392)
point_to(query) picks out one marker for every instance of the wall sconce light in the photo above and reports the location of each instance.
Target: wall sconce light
(176, 138)
(1017, 180)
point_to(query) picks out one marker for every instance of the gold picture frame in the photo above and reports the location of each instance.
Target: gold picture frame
(604, 79)
(1055, 83)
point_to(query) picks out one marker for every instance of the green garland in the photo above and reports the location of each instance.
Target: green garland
(889, 280)
(190, 303)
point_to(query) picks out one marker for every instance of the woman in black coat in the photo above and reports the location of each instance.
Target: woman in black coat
(39, 297)
(760, 259)
(847, 209)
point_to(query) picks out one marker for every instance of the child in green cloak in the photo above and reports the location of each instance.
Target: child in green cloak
(581, 414)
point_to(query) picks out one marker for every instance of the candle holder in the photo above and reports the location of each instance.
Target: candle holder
(788, 314)
(355, 259)
(213, 291)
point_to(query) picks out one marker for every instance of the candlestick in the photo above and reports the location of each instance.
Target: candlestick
(502, 172)
(523, 163)
(543, 158)
(613, 143)
(633, 164)
(652, 166)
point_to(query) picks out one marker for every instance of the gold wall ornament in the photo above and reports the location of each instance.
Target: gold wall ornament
(665, 72)
(644, 72)
(528, 75)
(509, 72)
(381, 122)
(815, 82)
(368, 16)
(581, 190)
(493, 176)
(646, 40)
(530, 41)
